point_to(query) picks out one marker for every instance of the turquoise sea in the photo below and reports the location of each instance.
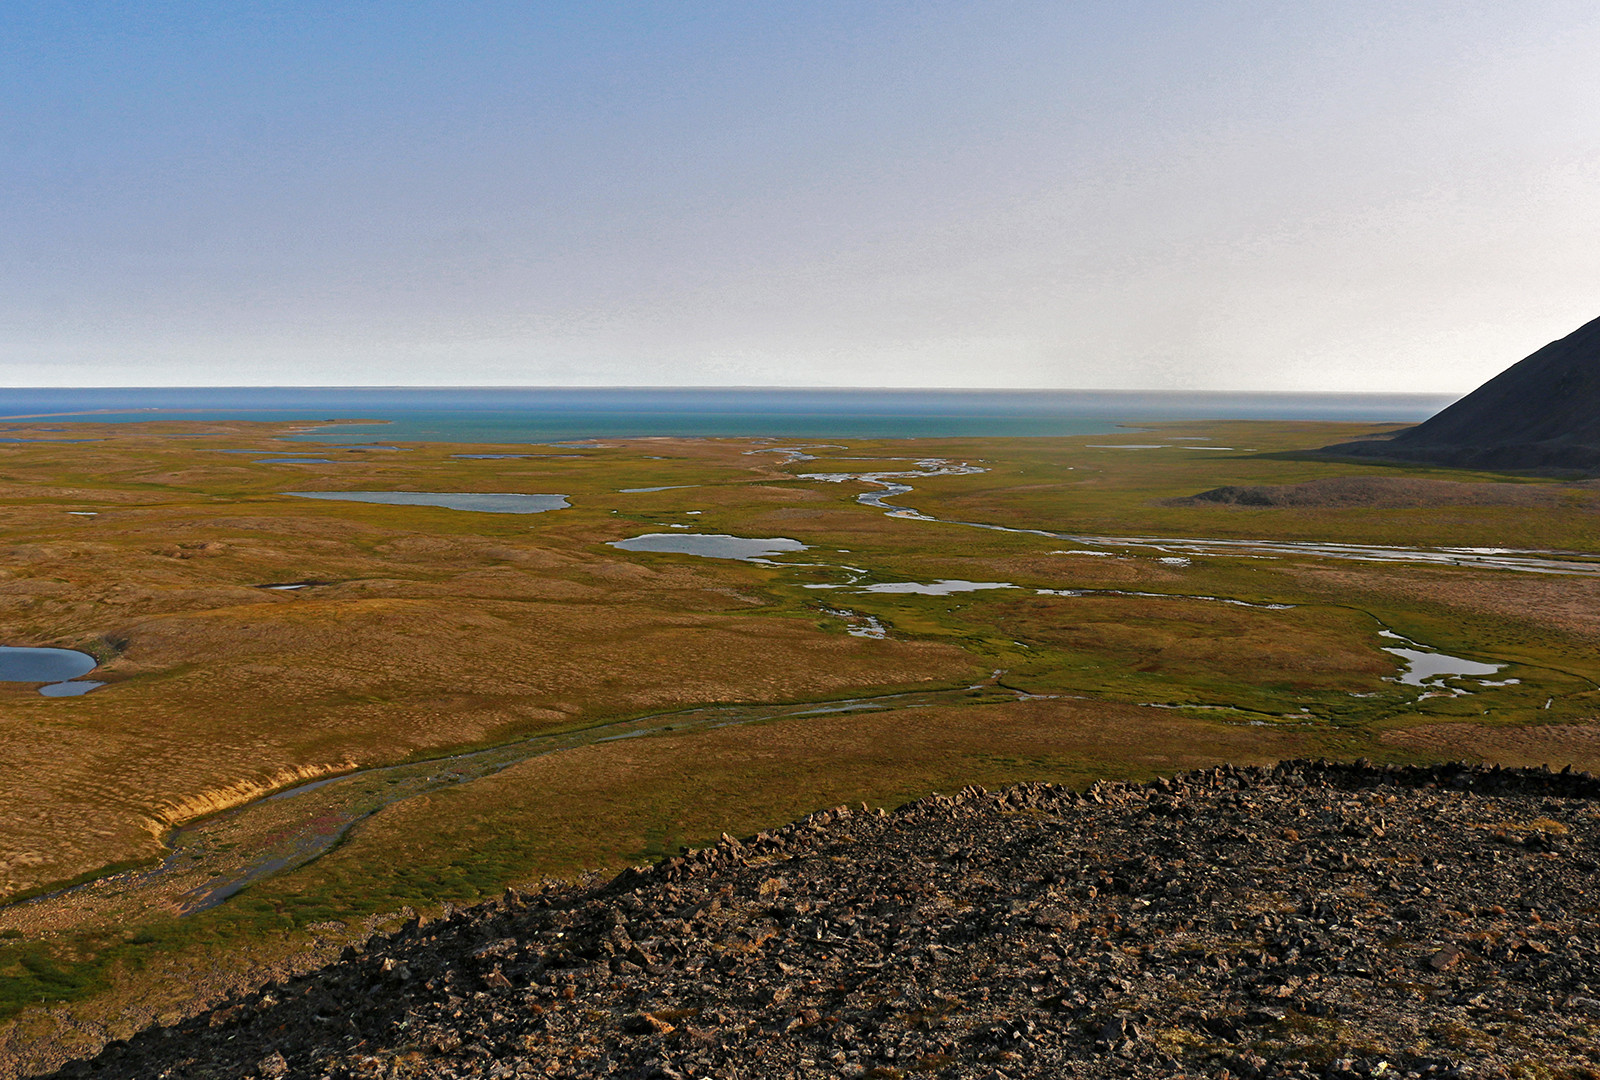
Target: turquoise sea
(534, 415)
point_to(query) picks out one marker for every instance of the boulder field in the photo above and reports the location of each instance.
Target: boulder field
(1310, 919)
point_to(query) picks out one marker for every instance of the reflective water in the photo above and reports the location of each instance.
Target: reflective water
(535, 415)
(918, 588)
(642, 491)
(1427, 667)
(69, 689)
(1165, 596)
(43, 665)
(479, 502)
(1523, 560)
(711, 546)
(859, 625)
(214, 858)
(55, 666)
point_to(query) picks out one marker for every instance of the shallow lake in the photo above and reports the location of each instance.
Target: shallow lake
(480, 502)
(710, 546)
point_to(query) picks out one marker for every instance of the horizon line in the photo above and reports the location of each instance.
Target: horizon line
(659, 388)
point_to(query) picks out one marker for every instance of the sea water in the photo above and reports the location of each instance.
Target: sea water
(533, 415)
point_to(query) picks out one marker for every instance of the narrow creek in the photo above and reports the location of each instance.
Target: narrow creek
(1526, 561)
(216, 857)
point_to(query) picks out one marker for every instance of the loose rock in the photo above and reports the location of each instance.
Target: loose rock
(1306, 920)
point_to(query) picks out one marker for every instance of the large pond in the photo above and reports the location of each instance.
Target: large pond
(711, 546)
(55, 666)
(483, 503)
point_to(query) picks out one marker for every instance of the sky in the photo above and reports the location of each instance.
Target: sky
(1132, 195)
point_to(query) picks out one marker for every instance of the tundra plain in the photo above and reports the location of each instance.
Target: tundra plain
(417, 633)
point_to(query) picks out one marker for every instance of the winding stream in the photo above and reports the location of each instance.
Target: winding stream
(214, 858)
(1526, 561)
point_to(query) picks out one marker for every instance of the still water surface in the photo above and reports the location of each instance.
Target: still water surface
(483, 503)
(55, 666)
(719, 546)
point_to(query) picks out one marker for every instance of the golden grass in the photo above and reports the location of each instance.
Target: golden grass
(617, 804)
(435, 630)
(1577, 745)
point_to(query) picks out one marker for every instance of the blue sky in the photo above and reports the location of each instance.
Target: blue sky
(1135, 195)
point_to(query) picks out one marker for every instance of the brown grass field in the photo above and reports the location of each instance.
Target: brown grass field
(430, 631)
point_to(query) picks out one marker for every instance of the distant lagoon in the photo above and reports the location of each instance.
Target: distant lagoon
(522, 415)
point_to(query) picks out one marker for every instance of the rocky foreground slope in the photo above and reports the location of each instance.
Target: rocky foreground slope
(1311, 919)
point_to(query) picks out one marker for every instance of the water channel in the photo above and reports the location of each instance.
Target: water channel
(214, 858)
(1483, 558)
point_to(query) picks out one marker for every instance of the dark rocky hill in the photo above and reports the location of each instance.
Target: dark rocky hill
(1311, 919)
(1540, 414)
(1395, 493)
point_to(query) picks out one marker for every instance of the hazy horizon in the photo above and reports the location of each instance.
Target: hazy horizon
(1149, 196)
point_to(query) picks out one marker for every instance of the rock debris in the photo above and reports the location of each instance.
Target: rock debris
(1310, 919)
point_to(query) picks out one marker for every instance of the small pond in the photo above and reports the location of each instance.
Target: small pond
(711, 546)
(936, 588)
(47, 666)
(76, 688)
(918, 588)
(481, 502)
(1428, 668)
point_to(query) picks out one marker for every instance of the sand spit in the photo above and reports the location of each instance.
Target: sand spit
(1307, 919)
